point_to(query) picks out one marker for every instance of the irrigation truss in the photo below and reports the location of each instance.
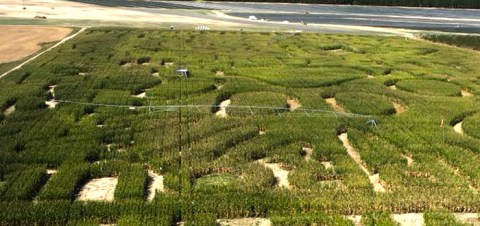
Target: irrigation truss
(235, 109)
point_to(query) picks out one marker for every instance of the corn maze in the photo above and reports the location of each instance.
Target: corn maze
(268, 128)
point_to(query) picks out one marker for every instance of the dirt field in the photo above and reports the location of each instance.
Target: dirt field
(17, 42)
(68, 10)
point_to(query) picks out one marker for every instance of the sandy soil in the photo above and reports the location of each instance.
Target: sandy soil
(51, 103)
(399, 108)
(244, 222)
(168, 64)
(327, 165)
(374, 178)
(100, 189)
(17, 42)
(335, 105)
(468, 218)
(52, 90)
(465, 93)
(308, 153)
(69, 10)
(9, 110)
(280, 174)
(223, 109)
(356, 219)
(409, 160)
(293, 104)
(51, 172)
(220, 73)
(141, 95)
(458, 128)
(393, 87)
(42, 52)
(409, 219)
(155, 186)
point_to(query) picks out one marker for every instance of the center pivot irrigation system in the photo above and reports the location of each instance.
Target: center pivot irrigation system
(253, 110)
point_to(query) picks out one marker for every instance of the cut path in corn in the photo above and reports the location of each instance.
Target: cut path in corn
(466, 93)
(222, 112)
(10, 110)
(458, 128)
(244, 221)
(374, 178)
(280, 174)
(99, 189)
(155, 186)
(336, 107)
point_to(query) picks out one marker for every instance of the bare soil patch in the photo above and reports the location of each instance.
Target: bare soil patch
(393, 87)
(244, 221)
(9, 110)
(155, 186)
(220, 73)
(223, 109)
(17, 42)
(327, 165)
(335, 105)
(458, 128)
(465, 93)
(356, 219)
(409, 160)
(293, 104)
(468, 218)
(141, 95)
(409, 219)
(99, 189)
(307, 153)
(280, 174)
(399, 108)
(51, 103)
(374, 178)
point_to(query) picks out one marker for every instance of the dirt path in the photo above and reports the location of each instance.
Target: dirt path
(99, 189)
(10, 110)
(280, 174)
(141, 95)
(222, 112)
(327, 165)
(393, 87)
(409, 160)
(458, 128)
(335, 105)
(244, 222)
(374, 178)
(409, 219)
(307, 152)
(293, 104)
(43, 52)
(51, 103)
(155, 186)
(465, 93)
(399, 108)
(17, 42)
(356, 219)
(468, 218)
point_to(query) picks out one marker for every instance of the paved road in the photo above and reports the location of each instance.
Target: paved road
(450, 20)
